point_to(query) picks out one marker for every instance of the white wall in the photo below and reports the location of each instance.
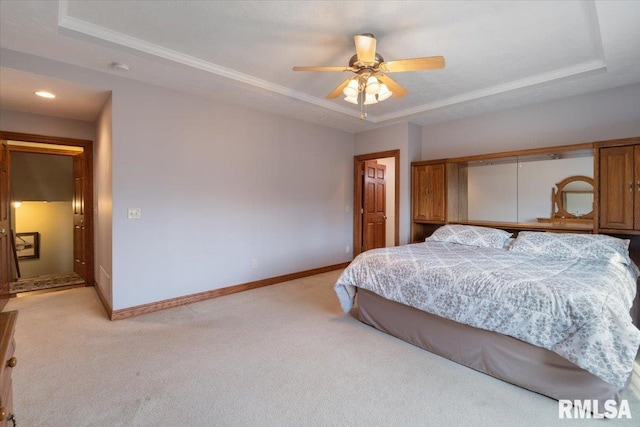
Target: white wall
(103, 193)
(414, 151)
(405, 137)
(218, 186)
(609, 114)
(14, 121)
(54, 222)
(41, 177)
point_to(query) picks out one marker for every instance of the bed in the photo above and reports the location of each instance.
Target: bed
(548, 312)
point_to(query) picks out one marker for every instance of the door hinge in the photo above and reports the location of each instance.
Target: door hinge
(361, 210)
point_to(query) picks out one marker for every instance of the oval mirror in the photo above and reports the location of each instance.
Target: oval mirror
(573, 198)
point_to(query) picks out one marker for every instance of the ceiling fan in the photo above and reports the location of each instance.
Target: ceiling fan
(371, 83)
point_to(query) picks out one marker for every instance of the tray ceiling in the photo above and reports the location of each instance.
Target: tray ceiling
(498, 54)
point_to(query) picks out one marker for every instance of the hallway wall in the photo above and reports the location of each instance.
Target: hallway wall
(54, 222)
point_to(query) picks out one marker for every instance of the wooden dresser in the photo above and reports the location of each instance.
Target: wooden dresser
(8, 362)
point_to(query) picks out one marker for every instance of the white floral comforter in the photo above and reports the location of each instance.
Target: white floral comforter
(576, 308)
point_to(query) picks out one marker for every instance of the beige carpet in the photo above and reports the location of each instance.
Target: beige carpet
(280, 355)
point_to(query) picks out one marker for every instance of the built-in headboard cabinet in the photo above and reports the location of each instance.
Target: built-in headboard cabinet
(618, 170)
(516, 190)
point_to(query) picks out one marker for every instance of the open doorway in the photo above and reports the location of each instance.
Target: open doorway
(376, 221)
(49, 184)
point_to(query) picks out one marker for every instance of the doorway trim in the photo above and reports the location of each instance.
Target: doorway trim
(87, 146)
(358, 171)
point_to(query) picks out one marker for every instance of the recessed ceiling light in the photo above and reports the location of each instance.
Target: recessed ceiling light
(45, 94)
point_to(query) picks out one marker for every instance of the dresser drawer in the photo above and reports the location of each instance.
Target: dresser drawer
(7, 404)
(7, 362)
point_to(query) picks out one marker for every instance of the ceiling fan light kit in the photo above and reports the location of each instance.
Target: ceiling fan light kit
(363, 90)
(369, 99)
(352, 89)
(384, 92)
(371, 84)
(352, 99)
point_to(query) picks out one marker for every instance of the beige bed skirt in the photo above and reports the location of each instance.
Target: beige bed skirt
(500, 356)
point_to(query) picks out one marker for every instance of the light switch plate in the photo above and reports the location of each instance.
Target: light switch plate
(133, 213)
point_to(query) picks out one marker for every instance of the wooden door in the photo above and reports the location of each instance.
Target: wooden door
(436, 206)
(79, 232)
(419, 195)
(374, 202)
(5, 227)
(429, 192)
(616, 187)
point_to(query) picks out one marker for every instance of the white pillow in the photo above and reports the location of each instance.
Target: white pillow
(569, 245)
(470, 235)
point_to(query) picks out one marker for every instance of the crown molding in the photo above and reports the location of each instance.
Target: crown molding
(86, 30)
(580, 70)
(97, 34)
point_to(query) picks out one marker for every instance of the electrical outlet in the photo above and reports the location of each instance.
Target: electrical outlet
(134, 213)
(254, 263)
(346, 250)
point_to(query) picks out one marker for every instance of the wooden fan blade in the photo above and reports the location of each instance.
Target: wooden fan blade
(415, 64)
(366, 48)
(321, 69)
(338, 91)
(397, 91)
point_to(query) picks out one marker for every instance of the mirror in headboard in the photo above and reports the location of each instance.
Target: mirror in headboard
(573, 198)
(513, 187)
(516, 189)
